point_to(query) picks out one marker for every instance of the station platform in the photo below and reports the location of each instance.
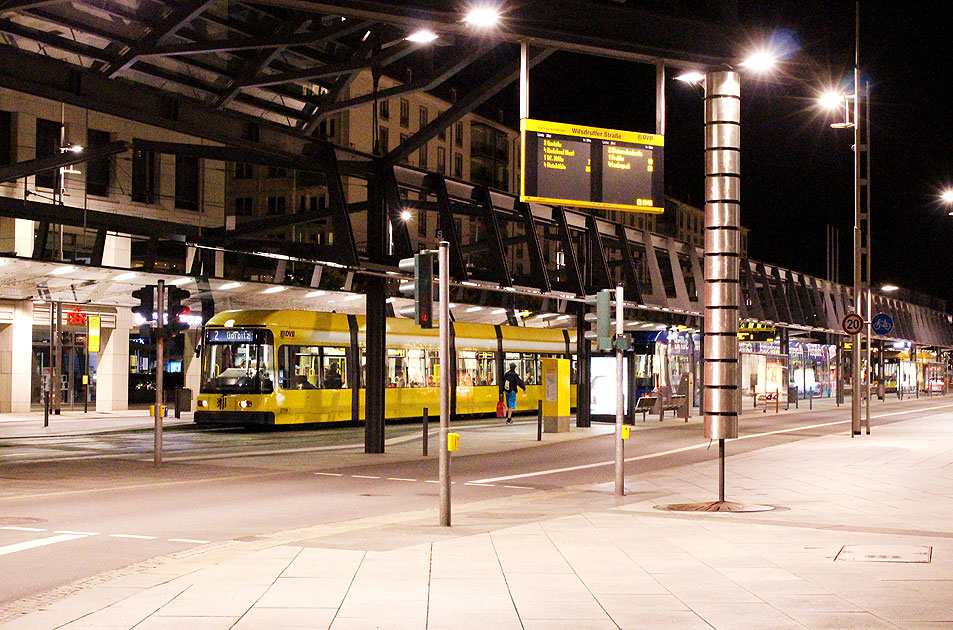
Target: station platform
(861, 537)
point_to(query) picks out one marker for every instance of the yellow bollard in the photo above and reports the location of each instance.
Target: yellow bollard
(626, 431)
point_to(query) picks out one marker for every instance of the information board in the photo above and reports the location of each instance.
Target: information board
(591, 167)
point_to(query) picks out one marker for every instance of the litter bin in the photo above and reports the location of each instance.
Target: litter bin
(183, 400)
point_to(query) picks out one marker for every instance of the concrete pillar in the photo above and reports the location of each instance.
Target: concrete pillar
(118, 251)
(16, 237)
(16, 359)
(112, 375)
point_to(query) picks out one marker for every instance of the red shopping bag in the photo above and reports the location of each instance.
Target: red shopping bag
(500, 409)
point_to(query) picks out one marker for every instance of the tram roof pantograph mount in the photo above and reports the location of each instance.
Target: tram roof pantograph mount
(853, 323)
(591, 167)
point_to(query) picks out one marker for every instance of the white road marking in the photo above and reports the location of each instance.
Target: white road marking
(431, 481)
(400, 479)
(136, 536)
(66, 531)
(188, 540)
(39, 542)
(364, 477)
(476, 483)
(520, 487)
(24, 529)
(704, 445)
(328, 474)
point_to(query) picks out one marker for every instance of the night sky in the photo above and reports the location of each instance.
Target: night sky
(797, 172)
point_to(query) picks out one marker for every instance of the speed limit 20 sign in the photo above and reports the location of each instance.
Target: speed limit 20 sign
(852, 323)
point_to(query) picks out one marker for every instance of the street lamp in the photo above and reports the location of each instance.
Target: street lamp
(947, 197)
(853, 120)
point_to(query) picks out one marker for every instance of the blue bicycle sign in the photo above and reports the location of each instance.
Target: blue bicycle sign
(881, 324)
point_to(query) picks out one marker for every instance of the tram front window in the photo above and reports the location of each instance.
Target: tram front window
(238, 362)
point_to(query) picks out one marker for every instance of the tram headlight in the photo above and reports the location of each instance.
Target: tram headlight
(244, 404)
(202, 404)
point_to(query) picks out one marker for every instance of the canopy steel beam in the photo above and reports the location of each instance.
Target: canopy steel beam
(574, 275)
(481, 195)
(53, 162)
(437, 185)
(464, 106)
(537, 265)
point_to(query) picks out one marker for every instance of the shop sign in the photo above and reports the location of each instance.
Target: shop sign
(759, 333)
(76, 317)
(95, 323)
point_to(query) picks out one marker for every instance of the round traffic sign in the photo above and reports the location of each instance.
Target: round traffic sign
(882, 324)
(852, 323)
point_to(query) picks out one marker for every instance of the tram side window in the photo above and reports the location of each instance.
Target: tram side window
(334, 368)
(299, 367)
(407, 367)
(475, 369)
(527, 366)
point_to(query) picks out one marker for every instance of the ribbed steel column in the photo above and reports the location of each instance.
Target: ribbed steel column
(722, 197)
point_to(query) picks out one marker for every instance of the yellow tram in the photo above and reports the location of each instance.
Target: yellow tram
(284, 367)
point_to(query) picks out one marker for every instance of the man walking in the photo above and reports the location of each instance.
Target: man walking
(511, 380)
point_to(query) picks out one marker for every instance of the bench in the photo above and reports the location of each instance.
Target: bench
(669, 402)
(645, 404)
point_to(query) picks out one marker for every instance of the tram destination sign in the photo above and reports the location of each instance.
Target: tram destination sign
(591, 167)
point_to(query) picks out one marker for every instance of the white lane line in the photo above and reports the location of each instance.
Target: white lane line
(24, 529)
(136, 536)
(188, 540)
(694, 447)
(399, 479)
(39, 542)
(431, 481)
(476, 483)
(324, 474)
(364, 477)
(520, 487)
(66, 531)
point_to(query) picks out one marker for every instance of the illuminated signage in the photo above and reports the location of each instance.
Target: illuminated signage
(95, 323)
(756, 333)
(231, 335)
(591, 167)
(76, 317)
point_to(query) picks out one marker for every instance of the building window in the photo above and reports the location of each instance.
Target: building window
(403, 139)
(422, 224)
(442, 134)
(382, 140)
(276, 171)
(441, 160)
(97, 171)
(48, 138)
(383, 109)
(276, 205)
(423, 117)
(145, 177)
(458, 134)
(186, 182)
(243, 206)
(458, 165)
(243, 171)
(326, 128)
(422, 156)
(404, 113)
(6, 138)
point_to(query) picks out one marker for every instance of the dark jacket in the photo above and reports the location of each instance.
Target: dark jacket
(513, 380)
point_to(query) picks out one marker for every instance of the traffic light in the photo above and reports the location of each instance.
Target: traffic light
(146, 307)
(177, 309)
(421, 289)
(603, 319)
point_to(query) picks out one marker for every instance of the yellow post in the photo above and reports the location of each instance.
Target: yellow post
(555, 395)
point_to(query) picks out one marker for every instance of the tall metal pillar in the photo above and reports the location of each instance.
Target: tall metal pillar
(722, 204)
(375, 292)
(583, 354)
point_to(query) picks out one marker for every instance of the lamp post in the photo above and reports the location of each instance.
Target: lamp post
(861, 280)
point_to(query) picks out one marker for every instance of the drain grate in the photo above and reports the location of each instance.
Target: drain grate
(20, 520)
(884, 553)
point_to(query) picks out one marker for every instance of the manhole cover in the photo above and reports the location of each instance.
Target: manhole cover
(714, 506)
(20, 520)
(884, 553)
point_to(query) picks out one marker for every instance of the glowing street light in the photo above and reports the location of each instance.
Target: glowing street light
(423, 36)
(889, 288)
(482, 17)
(761, 61)
(405, 215)
(947, 197)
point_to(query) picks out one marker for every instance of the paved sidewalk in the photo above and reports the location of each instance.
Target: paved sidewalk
(76, 422)
(857, 519)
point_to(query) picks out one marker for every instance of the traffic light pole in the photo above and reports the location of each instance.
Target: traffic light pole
(445, 372)
(619, 397)
(160, 362)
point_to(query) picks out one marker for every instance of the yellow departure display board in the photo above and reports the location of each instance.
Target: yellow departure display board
(591, 167)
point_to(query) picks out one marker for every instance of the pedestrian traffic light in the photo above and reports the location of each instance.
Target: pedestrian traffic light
(603, 319)
(176, 309)
(146, 307)
(421, 289)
